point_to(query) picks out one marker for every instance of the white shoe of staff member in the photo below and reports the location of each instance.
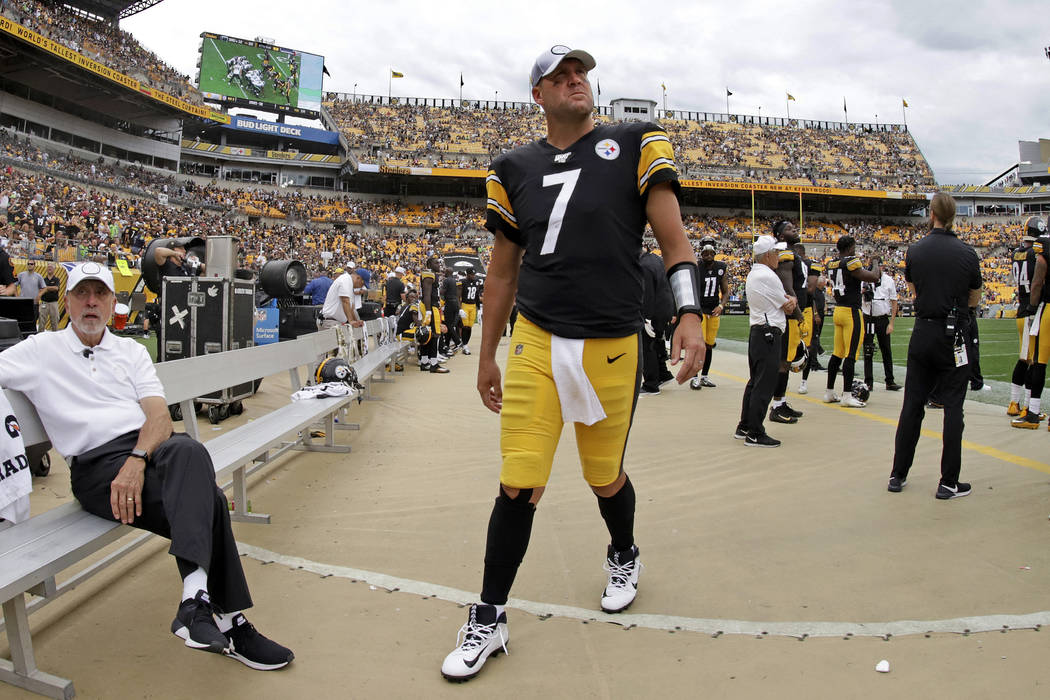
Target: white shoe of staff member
(831, 397)
(852, 401)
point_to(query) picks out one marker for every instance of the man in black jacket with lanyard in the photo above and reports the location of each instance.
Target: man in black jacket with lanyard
(944, 275)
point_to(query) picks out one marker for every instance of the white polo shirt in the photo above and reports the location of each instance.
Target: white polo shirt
(83, 402)
(765, 296)
(343, 286)
(884, 292)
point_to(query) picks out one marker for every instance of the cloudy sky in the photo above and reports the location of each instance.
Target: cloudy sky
(974, 72)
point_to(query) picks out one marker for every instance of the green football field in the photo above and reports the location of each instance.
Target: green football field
(215, 53)
(998, 342)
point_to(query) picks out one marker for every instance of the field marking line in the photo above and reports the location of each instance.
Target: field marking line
(798, 629)
(986, 450)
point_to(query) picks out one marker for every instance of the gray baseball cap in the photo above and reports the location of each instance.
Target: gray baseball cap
(549, 60)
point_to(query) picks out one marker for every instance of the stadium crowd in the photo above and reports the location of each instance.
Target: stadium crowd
(102, 42)
(109, 210)
(468, 137)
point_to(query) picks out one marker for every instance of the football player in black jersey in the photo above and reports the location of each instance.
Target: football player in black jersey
(813, 288)
(714, 290)
(1039, 336)
(431, 298)
(794, 276)
(846, 273)
(1023, 269)
(470, 293)
(567, 214)
(450, 341)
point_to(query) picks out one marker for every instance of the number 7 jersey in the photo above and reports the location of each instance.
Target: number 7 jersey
(579, 213)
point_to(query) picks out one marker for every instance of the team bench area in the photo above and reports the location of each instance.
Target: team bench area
(33, 552)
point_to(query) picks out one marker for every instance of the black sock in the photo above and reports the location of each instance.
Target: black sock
(848, 367)
(510, 527)
(1020, 372)
(618, 512)
(782, 385)
(1038, 379)
(466, 335)
(833, 370)
(707, 360)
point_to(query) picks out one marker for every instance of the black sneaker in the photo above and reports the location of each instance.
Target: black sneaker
(958, 491)
(777, 414)
(1027, 420)
(785, 408)
(761, 440)
(649, 391)
(254, 650)
(893, 386)
(704, 381)
(896, 484)
(195, 623)
(438, 369)
(740, 433)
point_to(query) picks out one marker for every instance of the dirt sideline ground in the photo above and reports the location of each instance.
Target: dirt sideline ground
(790, 571)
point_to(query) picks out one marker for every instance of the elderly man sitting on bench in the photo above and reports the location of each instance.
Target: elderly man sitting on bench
(103, 407)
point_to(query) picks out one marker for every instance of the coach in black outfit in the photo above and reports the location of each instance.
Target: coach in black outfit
(658, 308)
(944, 274)
(395, 292)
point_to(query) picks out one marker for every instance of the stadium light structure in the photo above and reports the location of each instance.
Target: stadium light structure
(137, 7)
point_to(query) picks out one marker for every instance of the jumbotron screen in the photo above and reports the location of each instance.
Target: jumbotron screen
(251, 74)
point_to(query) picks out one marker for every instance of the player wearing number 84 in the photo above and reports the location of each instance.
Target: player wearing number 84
(567, 213)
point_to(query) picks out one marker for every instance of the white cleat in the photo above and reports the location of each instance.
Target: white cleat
(831, 397)
(482, 636)
(623, 579)
(803, 388)
(851, 401)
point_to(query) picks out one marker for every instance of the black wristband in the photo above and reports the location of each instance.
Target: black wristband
(684, 278)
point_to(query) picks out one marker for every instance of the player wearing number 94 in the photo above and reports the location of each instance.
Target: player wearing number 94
(567, 213)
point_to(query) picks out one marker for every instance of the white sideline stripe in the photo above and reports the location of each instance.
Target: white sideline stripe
(960, 625)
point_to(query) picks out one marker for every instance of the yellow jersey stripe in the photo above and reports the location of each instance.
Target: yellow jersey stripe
(498, 201)
(656, 154)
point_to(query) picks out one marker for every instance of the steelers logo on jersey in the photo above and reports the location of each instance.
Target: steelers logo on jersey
(607, 149)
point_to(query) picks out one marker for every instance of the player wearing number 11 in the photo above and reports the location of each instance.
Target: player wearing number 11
(567, 214)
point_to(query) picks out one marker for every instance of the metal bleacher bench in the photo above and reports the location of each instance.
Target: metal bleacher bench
(33, 552)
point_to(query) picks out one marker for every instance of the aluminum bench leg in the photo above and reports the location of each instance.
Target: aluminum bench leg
(21, 671)
(240, 501)
(343, 425)
(329, 429)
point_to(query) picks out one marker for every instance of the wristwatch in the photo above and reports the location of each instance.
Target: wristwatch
(141, 454)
